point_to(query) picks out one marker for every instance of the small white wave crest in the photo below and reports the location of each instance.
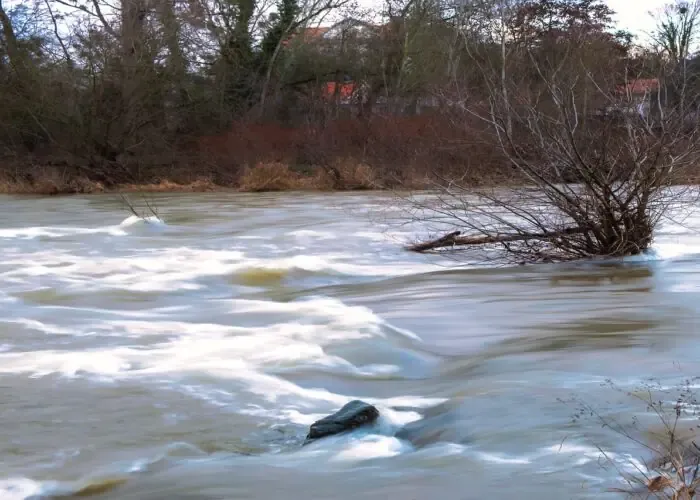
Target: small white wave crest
(133, 220)
(29, 233)
(20, 488)
(299, 336)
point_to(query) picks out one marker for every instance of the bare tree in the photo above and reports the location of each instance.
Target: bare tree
(676, 30)
(9, 38)
(298, 17)
(596, 164)
(54, 22)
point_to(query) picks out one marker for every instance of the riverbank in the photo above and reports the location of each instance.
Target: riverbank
(342, 155)
(342, 175)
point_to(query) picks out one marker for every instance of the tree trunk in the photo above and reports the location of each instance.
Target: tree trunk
(133, 13)
(454, 239)
(176, 95)
(504, 86)
(10, 39)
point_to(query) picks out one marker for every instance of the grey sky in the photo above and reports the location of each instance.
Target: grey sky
(634, 14)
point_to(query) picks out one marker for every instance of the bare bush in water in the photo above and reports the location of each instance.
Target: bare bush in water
(149, 214)
(667, 430)
(602, 137)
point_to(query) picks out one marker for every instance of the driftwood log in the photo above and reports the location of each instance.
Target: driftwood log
(456, 239)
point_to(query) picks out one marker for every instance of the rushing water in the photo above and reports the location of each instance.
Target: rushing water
(186, 359)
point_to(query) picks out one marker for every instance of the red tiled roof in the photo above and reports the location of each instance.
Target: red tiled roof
(307, 34)
(640, 86)
(345, 90)
(311, 33)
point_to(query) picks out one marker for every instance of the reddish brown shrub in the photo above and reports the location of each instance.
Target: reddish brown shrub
(397, 150)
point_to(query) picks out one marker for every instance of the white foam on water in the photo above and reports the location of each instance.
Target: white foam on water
(135, 328)
(33, 324)
(310, 234)
(665, 251)
(414, 402)
(366, 443)
(437, 454)
(673, 241)
(147, 271)
(583, 454)
(341, 264)
(28, 233)
(103, 363)
(247, 356)
(503, 459)
(373, 236)
(312, 263)
(370, 447)
(555, 457)
(19, 488)
(22, 488)
(394, 238)
(152, 220)
(570, 449)
(355, 321)
(391, 420)
(178, 268)
(294, 416)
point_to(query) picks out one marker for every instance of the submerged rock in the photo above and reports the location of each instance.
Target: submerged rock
(351, 416)
(444, 423)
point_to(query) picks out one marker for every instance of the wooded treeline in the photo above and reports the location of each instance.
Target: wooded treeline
(134, 91)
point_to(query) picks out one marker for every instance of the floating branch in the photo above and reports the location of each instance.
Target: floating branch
(455, 239)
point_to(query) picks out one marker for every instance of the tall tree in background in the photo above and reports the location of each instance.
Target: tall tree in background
(282, 24)
(676, 35)
(677, 29)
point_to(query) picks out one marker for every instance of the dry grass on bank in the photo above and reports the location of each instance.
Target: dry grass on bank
(48, 181)
(344, 174)
(264, 176)
(52, 181)
(350, 175)
(51, 186)
(272, 177)
(343, 154)
(167, 186)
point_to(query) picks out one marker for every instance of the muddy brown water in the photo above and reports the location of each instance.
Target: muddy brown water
(186, 359)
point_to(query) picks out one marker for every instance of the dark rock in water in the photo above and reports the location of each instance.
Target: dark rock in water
(446, 422)
(351, 416)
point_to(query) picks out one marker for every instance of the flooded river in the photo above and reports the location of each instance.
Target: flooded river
(185, 360)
